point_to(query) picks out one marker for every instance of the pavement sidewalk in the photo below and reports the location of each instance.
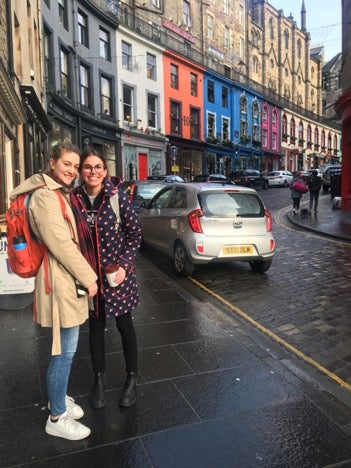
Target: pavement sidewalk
(327, 221)
(212, 390)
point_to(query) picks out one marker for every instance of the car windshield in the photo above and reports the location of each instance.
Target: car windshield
(142, 191)
(227, 205)
(147, 191)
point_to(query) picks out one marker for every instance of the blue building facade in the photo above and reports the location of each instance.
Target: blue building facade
(232, 127)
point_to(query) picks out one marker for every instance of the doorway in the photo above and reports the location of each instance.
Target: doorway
(142, 163)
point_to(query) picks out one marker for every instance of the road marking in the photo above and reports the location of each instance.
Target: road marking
(272, 335)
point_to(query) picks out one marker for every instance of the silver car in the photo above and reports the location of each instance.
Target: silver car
(279, 178)
(196, 223)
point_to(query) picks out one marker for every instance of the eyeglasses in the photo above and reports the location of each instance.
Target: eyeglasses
(98, 168)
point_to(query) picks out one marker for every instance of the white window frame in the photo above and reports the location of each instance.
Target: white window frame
(128, 117)
(152, 111)
(186, 13)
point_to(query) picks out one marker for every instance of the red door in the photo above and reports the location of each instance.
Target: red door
(142, 163)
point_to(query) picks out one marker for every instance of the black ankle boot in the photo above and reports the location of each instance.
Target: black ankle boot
(97, 397)
(129, 394)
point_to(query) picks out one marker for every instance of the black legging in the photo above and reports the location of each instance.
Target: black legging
(126, 329)
(296, 203)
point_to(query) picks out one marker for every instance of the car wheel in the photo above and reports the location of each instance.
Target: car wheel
(265, 186)
(182, 264)
(285, 184)
(260, 266)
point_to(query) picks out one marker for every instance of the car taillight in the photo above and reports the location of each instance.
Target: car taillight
(269, 222)
(194, 220)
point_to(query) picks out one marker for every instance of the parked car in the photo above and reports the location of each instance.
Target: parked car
(201, 223)
(250, 178)
(142, 191)
(333, 169)
(212, 178)
(166, 178)
(279, 178)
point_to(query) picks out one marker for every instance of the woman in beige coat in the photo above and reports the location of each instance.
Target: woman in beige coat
(60, 309)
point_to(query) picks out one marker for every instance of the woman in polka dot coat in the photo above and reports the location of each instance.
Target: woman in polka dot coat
(114, 242)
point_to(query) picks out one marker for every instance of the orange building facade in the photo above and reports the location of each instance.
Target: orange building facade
(183, 111)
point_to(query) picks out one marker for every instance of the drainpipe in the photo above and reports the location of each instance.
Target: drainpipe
(9, 39)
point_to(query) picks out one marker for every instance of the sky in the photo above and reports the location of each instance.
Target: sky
(323, 22)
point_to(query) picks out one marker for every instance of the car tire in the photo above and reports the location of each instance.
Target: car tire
(265, 186)
(260, 266)
(285, 184)
(182, 264)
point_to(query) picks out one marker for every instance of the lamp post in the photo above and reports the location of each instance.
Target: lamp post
(173, 150)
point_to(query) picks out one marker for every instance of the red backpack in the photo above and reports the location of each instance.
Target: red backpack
(25, 252)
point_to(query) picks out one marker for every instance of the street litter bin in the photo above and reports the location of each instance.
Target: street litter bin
(335, 184)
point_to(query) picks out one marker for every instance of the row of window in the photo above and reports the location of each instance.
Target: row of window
(186, 21)
(329, 141)
(107, 87)
(83, 36)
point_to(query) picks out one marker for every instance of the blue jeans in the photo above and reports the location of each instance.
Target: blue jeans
(59, 369)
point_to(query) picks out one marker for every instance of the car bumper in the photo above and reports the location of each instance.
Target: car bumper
(262, 249)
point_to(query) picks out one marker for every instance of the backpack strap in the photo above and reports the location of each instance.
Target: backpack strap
(65, 215)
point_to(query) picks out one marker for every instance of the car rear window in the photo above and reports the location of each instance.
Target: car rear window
(228, 205)
(273, 174)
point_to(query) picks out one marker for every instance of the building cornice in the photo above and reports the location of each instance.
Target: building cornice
(10, 101)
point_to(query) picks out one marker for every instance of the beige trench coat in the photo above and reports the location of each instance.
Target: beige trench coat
(61, 307)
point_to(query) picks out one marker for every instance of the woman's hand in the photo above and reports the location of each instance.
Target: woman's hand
(92, 290)
(120, 275)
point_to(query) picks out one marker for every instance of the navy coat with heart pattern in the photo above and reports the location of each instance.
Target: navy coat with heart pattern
(113, 243)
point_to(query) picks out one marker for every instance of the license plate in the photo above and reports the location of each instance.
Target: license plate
(238, 250)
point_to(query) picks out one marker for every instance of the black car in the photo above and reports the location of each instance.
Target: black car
(250, 178)
(329, 173)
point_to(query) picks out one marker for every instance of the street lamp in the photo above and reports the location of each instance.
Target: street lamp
(173, 151)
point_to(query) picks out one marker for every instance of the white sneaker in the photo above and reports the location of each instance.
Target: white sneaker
(74, 411)
(67, 428)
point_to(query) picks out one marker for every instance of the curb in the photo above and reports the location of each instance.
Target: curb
(305, 227)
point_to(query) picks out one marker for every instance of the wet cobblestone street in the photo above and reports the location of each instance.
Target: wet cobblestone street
(214, 389)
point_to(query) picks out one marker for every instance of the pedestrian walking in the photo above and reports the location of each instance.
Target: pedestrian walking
(314, 184)
(297, 187)
(62, 308)
(114, 235)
